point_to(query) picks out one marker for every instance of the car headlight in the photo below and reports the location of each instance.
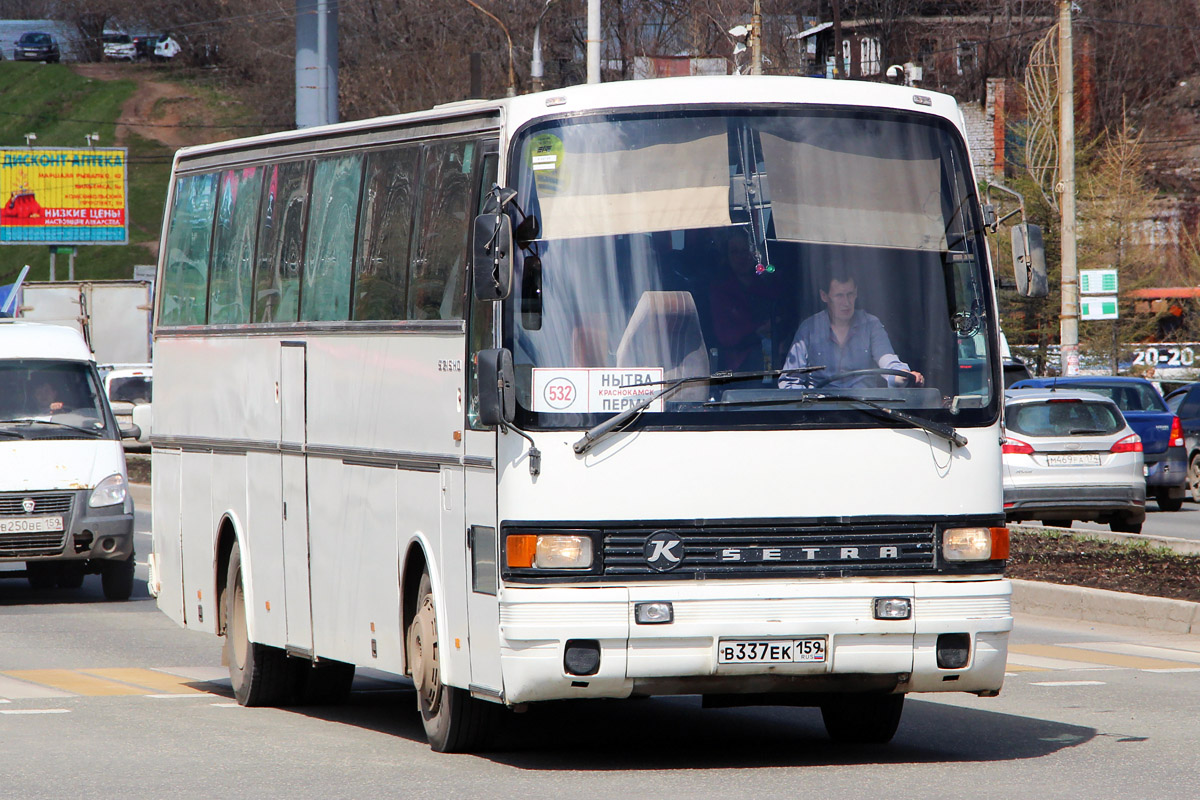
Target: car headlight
(108, 492)
(975, 544)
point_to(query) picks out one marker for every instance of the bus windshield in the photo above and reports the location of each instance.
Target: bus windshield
(842, 247)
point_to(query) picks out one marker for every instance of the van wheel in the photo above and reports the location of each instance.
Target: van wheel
(42, 574)
(116, 578)
(259, 674)
(863, 719)
(454, 721)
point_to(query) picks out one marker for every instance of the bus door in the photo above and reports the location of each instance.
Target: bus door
(479, 456)
(293, 435)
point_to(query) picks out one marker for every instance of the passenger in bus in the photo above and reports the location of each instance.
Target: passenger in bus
(741, 306)
(843, 339)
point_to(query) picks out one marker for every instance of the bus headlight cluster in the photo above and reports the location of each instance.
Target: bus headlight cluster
(548, 551)
(108, 492)
(975, 544)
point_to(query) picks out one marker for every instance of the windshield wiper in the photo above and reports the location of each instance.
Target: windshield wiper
(619, 421)
(939, 429)
(93, 432)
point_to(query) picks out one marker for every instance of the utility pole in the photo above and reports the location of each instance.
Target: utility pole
(1069, 314)
(593, 41)
(839, 64)
(756, 40)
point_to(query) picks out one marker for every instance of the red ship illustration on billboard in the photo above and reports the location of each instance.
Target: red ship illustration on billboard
(22, 208)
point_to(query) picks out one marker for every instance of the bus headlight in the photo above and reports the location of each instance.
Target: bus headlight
(975, 544)
(548, 551)
(108, 492)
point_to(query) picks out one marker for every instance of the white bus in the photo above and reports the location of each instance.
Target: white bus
(493, 396)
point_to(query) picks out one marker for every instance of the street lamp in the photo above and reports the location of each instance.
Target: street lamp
(29, 137)
(537, 68)
(92, 138)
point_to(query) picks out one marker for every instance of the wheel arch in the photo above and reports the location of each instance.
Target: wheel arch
(416, 562)
(228, 534)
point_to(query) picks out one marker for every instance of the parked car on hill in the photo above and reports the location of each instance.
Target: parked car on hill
(36, 46)
(1147, 413)
(119, 47)
(1185, 402)
(1071, 455)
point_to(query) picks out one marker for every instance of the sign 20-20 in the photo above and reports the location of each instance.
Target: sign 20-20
(1167, 355)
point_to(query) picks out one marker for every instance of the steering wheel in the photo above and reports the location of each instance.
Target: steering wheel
(853, 373)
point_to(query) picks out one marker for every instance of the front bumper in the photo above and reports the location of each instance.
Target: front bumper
(104, 533)
(1078, 502)
(863, 653)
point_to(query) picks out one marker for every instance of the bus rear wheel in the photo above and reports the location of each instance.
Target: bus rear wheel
(863, 719)
(261, 675)
(454, 721)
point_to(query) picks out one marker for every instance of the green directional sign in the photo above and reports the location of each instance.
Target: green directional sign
(1098, 308)
(1097, 281)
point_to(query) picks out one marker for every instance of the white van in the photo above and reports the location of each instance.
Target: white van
(65, 508)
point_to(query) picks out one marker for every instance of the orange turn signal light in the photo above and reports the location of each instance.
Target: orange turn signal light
(520, 549)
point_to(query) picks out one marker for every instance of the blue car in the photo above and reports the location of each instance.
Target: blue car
(1147, 413)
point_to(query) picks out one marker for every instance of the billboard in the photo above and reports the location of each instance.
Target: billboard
(63, 196)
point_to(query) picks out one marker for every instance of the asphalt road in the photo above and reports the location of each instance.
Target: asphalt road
(102, 700)
(1181, 524)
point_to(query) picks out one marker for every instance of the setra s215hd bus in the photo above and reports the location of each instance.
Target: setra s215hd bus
(682, 386)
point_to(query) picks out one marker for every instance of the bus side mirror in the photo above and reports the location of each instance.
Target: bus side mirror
(1029, 261)
(497, 387)
(491, 260)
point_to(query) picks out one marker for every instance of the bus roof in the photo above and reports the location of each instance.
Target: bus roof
(689, 91)
(19, 339)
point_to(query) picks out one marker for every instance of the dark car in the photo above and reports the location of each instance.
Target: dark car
(1147, 413)
(36, 46)
(1185, 402)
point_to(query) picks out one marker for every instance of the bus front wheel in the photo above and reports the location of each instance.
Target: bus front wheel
(863, 719)
(454, 721)
(260, 674)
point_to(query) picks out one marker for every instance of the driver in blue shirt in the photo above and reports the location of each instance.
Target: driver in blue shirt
(843, 339)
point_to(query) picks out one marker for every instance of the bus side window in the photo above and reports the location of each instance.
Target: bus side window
(436, 278)
(385, 234)
(280, 242)
(325, 293)
(185, 277)
(233, 246)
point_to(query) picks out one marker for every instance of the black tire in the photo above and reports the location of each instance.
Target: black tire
(1193, 478)
(116, 578)
(261, 675)
(325, 683)
(1168, 503)
(863, 719)
(1058, 523)
(42, 574)
(454, 721)
(70, 575)
(1124, 525)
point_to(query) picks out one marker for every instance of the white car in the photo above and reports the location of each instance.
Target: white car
(127, 385)
(119, 47)
(1071, 455)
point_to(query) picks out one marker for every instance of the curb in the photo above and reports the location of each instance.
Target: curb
(1100, 605)
(1182, 546)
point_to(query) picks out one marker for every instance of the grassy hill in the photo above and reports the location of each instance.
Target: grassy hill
(61, 104)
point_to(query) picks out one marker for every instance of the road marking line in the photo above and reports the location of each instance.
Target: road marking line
(1149, 651)
(75, 682)
(1067, 683)
(36, 711)
(227, 705)
(24, 690)
(177, 696)
(160, 682)
(1088, 656)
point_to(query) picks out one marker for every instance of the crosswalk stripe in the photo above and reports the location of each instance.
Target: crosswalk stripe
(14, 689)
(159, 682)
(1076, 657)
(74, 682)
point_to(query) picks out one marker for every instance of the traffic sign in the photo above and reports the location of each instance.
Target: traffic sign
(1098, 308)
(1097, 281)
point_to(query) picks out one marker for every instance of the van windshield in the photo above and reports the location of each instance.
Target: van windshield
(46, 399)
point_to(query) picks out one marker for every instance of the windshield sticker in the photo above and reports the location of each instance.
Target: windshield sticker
(545, 153)
(600, 390)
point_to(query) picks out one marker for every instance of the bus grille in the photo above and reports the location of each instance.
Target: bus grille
(801, 551)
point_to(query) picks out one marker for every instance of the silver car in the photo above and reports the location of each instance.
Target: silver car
(1070, 455)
